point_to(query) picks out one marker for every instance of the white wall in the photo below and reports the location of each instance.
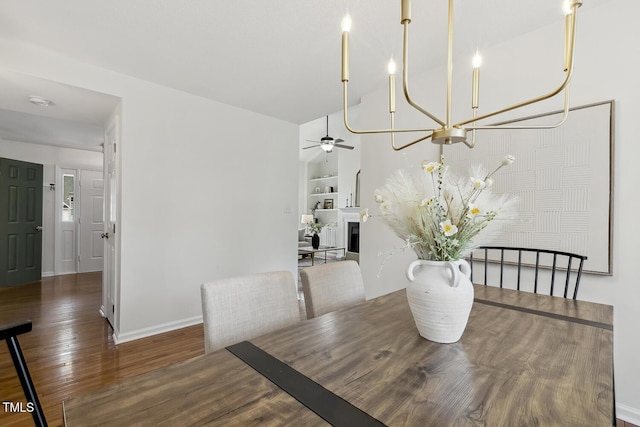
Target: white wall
(50, 157)
(349, 163)
(604, 70)
(207, 191)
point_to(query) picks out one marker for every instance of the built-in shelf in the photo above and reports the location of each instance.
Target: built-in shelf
(322, 187)
(323, 178)
(335, 193)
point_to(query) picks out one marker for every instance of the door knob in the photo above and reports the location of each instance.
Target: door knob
(105, 235)
(39, 228)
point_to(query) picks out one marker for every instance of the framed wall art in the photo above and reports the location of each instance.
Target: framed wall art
(563, 178)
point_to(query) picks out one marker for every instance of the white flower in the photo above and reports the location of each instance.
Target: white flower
(507, 160)
(477, 183)
(448, 228)
(488, 182)
(426, 202)
(430, 167)
(384, 206)
(378, 198)
(473, 210)
(364, 215)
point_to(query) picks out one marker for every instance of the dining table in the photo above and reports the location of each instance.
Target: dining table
(524, 360)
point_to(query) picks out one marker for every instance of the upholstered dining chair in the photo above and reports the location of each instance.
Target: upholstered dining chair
(244, 307)
(529, 269)
(330, 287)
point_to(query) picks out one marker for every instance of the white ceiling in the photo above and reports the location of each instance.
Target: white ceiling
(279, 58)
(75, 119)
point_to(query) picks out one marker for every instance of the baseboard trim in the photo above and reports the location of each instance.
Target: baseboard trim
(628, 414)
(120, 338)
(47, 274)
(64, 273)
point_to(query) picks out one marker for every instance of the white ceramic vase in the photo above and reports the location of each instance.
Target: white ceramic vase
(440, 296)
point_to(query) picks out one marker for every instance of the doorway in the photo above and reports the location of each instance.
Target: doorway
(67, 133)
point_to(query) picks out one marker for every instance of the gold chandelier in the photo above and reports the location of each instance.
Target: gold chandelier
(445, 132)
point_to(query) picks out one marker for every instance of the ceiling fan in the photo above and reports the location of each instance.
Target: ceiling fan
(327, 143)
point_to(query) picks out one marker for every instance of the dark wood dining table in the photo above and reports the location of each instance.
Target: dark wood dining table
(524, 359)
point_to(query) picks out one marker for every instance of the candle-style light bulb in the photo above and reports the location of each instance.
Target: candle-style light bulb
(477, 60)
(346, 27)
(475, 87)
(346, 22)
(391, 67)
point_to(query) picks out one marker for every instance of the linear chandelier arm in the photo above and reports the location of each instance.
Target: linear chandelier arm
(405, 76)
(402, 147)
(570, 30)
(520, 104)
(473, 131)
(345, 107)
(499, 125)
(469, 144)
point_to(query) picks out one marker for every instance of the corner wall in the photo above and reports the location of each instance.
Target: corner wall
(207, 191)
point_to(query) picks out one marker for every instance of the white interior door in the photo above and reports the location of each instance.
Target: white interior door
(110, 230)
(91, 221)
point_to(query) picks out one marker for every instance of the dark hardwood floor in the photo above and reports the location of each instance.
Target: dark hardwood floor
(70, 350)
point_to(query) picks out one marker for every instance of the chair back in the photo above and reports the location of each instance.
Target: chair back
(244, 307)
(554, 273)
(330, 287)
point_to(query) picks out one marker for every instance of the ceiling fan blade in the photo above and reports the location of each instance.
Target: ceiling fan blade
(338, 140)
(311, 146)
(311, 140)
(348, 147)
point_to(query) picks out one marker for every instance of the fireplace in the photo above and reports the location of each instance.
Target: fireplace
(350, 228)
(353, 236)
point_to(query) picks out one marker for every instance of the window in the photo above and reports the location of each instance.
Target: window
(67, 197)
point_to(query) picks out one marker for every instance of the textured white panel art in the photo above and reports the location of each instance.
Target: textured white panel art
(562, 178)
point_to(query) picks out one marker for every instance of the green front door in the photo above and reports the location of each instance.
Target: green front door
(20, 222)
